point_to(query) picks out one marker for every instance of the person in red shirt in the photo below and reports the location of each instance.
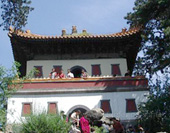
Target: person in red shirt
(62, 75)
(84, 124)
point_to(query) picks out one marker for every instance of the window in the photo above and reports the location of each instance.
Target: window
(38, 74)
(130, 105)
(105, 105)
(115, 69)
(26, 109)
(58, 68)
(96, 69)
(52, 108)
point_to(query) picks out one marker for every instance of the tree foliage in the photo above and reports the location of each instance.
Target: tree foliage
(154, 17)
(154, 115)
(7, 87)
(44, 123)
(15, 13)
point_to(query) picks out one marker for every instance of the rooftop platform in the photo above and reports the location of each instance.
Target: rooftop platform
(83, 85)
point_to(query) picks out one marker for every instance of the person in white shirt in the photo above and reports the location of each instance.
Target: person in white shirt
(70, 74)
(53, 74)
(75, 121)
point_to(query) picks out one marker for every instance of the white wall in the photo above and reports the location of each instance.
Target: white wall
(67, 101)
(105, 65)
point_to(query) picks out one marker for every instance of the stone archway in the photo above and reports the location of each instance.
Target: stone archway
(76, 70)
(82, 108)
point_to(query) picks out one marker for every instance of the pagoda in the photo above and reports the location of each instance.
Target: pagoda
(106, 58)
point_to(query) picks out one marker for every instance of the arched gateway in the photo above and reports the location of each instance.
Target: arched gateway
(76, 70)
(82, 108)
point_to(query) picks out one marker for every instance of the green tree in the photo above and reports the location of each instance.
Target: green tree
(154, 18)
(15, 13)
(7, 87)
(154, 115)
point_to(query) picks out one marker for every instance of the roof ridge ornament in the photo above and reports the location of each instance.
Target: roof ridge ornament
(84, 31)
(124, 30)
(28, 31)
(63, 32)
(74, 29)
(74, 34)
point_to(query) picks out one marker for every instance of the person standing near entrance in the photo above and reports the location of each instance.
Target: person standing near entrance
(75, 121)
(70, 74)
(84, 124)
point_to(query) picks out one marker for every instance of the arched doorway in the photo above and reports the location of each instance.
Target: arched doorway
(82, 108)
(76, 70)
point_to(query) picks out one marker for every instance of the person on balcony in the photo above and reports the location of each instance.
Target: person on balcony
(83, 74)
(53, 74)
(62, 75)
(127, 74)
(70, 74)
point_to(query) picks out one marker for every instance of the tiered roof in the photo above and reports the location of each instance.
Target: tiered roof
(26, 46)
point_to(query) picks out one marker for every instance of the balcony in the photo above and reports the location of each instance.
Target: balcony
(83, 85)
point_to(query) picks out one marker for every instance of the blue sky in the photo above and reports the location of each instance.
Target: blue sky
(50, 17)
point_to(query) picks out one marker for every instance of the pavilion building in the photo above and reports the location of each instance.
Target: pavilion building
(106, 58)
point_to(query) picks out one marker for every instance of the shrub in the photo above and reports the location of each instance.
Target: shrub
(99, 129)
(44, 123)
